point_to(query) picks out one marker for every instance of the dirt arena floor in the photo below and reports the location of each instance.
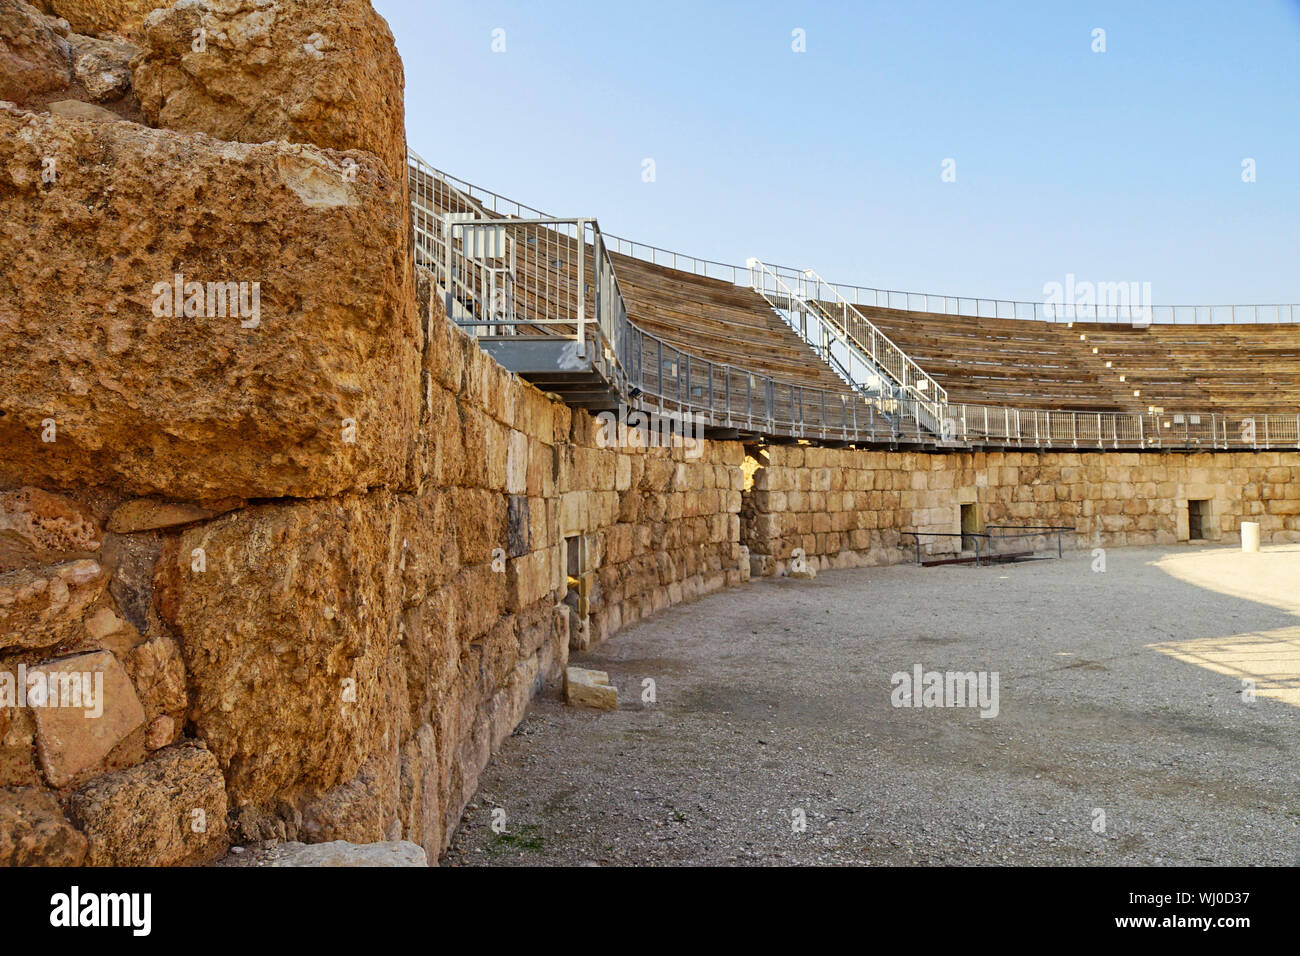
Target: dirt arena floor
(1125, 732)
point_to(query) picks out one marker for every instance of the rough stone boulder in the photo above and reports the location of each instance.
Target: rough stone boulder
(42, 607)
(291, 365)
(158, 672)
(336, 853)
(102, 67)
(38, 528)
(94, 17)
(34, 831)
(34, 58)
(310, 71)
(168, 811)
(289, 638)
(90, 710)
(45, 66)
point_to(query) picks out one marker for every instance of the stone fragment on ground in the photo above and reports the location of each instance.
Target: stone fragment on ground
(337, 853)
(588, 688)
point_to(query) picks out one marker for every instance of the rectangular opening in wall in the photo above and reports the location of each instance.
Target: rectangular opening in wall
(573, 558)
(970, 525)
(1198, 518)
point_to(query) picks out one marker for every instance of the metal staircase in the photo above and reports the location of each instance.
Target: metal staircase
(858, 351)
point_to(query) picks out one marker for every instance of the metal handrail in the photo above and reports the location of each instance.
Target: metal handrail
(936, 304)
(785, 301)
(861, 324)
(1116, 314)
(1030, 531)
(988, 539)
(918, 535)
(858, 334)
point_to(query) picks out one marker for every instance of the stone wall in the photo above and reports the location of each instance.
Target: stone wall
(310, 558)
(657, 525)
(847, 508)
(530, 533)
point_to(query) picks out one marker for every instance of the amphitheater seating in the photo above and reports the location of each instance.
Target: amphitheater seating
(721, 322)
(1232, 369)
(1002, 361)
(1235, 369)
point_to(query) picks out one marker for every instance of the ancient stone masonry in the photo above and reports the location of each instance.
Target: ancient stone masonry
(848, 508)
(101, 16)
(283, 553)
(530, 534)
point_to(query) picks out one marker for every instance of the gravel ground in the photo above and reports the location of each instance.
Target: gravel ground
(776, 697)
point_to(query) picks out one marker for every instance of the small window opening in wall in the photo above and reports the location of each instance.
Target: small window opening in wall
(573, 559)
(1198, 517)
(970, 525)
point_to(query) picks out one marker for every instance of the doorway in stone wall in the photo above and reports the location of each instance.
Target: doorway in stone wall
(577, 597)
(1198, 519)
(970, 526)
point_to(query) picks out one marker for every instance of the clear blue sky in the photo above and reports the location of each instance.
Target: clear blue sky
(1115, 166)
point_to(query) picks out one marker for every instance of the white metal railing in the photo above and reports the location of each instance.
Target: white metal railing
(1120, 313)
(855, 367)
(510, 277)
(505, 275)
(882, 349)
(823, 323)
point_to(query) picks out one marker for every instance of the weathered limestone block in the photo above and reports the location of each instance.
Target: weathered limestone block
(419, 806)
(589, 688)
(481, 521)
(336, 853)
(42, 607)
(33, 57)
(509, 704)
(158, 671)
(90, 708)
(34, 831)
(530, 579)
(363, 810)
(93, 17)
(18, 766)
(286, 636)
(517, 463)
(150, 514)
(38, 528)
(168, 811)
(102, 67)
(312, 71)
(309, 389)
